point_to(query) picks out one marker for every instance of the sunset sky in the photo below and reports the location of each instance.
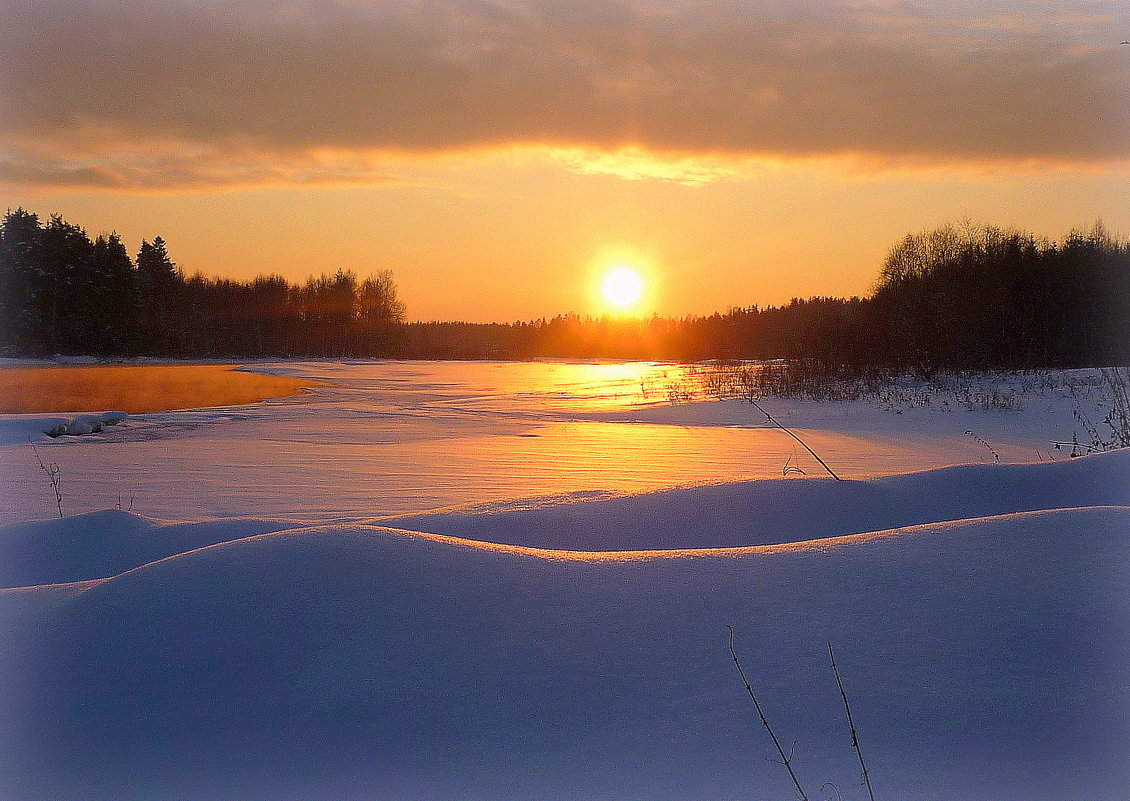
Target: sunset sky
(501, 156)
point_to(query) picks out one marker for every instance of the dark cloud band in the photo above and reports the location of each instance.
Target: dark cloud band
(93, 87)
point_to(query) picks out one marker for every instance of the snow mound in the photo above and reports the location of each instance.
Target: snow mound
(23, 428)
(984, 660)
(771, 511)
(86, 424)
(103, 544)
(763, 512)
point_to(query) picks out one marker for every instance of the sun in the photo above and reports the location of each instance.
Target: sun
(622, 287)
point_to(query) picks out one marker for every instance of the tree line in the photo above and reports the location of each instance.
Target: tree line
(986, 297)
(61, 292)
(955, 297)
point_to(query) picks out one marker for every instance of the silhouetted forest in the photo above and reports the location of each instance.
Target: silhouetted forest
(951, 298)
(60, 292)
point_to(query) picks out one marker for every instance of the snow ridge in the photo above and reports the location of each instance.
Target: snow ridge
(770, 511)
(986, 659)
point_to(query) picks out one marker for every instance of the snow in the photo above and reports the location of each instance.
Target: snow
(984, 659)
(785, 510)
(400, 438)
(62, 358)
(569, 643)
(102, 544)
(86, 424)
(8, 361)
(22, 429)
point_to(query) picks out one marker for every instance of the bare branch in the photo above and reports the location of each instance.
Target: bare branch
(851, 724)
(777, 423)
(785, 760)
(53, 472)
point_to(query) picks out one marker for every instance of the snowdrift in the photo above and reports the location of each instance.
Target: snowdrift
(770, 511)
(102, 544)
(985, 658)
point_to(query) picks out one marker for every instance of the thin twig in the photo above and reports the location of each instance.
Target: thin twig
(1059, 444)
(825, 785)
(53, 470)
(777, 423)
(130, 508)
(851, 724)
(785, 760)
(971, 433)
(791, 468)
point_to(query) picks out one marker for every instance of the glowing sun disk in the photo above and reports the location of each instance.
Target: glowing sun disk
(622, 287)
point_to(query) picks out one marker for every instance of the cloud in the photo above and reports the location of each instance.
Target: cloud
(185, 167)
(636, 164)
(192, 93)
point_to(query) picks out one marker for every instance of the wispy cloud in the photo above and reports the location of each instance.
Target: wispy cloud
(185, 166)
(197, 93)
(637, 164)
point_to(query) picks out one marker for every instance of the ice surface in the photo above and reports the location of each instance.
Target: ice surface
(400, 438)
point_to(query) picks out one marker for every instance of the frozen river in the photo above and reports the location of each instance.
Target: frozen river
(391, 438)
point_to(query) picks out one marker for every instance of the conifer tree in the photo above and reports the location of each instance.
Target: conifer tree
(159, 284)
(66, 301)
(115, 296)
(21, 282)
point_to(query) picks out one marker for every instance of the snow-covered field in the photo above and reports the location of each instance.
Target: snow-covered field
(402, 438)
(513, 581)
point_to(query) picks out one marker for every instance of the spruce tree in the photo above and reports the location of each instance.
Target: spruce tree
(66, 304)
(116, 296)
(21, 282)
(159, 284)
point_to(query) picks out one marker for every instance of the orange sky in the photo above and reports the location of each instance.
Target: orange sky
(496, 155)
